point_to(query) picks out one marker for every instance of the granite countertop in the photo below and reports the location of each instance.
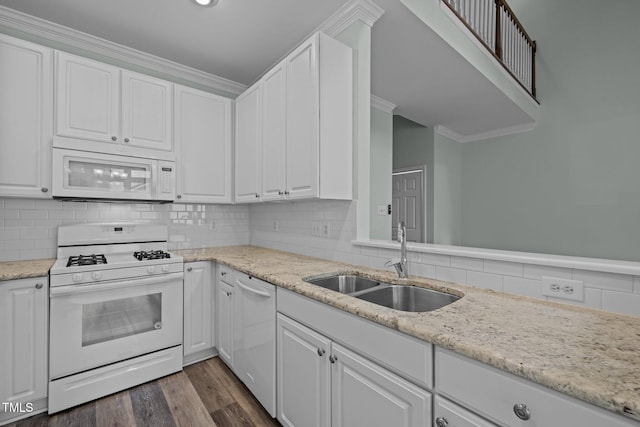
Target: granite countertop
(589, 354)
(13, 270)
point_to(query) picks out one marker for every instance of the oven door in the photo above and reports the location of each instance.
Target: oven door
(94, 325)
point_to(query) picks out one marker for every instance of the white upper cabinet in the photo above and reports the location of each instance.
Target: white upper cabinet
(26, 118)
(248, 139)
(102, 108)
(320, 120)
(274, 133)
(298, 121)
(146, 111)
(203, 146)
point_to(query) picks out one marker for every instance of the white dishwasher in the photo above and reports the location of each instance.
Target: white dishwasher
(254, 338)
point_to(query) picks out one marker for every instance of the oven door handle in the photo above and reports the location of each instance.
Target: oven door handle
(127, 283)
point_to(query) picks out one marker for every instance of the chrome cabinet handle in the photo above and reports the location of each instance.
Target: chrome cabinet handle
(189, 268)
(179, 196)
(286, 193)
(228, 293)
(280, 193)
(257, 195)
(44, 189)
(333, 358)
(39, 285)
(320, 352)
(521, 411)
(114, 138)
(126, 140)
(442, 422)
(224, 273)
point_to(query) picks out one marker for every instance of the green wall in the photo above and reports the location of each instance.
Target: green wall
(381, 155)
(572, 185)
(413, 145)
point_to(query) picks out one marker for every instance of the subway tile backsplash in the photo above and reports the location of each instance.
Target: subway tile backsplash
(28, 230)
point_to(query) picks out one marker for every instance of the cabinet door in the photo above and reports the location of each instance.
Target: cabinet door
(146, 111)
(248, 140)
(364, 394)
(274, 133)
(26, 117)
(198, 308)
(304, 375)
(303, 120)
(203, 146)
(224, 322)
(24, 318)
(88, 99)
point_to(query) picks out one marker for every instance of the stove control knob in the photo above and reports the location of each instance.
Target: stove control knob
(77, 277)
(165, 268)
(151, 269)
(97, 275)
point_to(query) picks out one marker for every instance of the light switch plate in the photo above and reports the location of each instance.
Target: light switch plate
(563, 288)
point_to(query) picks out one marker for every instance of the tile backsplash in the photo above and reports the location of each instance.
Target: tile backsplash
(29, 228)
(320, 228)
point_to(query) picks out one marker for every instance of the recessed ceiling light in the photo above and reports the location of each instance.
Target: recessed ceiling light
(206, 3)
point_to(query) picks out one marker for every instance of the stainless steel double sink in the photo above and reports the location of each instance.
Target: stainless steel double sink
(398, 297)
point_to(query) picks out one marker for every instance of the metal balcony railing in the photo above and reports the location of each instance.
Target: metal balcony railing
(495, 25)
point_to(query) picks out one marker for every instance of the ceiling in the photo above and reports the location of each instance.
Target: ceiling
(240, 39)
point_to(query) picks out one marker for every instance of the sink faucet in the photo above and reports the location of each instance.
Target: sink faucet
(400, 264)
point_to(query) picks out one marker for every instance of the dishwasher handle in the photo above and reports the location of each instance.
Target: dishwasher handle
(263, 294)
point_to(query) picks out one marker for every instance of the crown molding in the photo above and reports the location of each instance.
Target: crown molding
(34, 26)
(365, 11)
(382, 105)
(445, 131)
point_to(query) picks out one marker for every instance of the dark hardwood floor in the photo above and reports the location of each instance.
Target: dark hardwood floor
(203, 394)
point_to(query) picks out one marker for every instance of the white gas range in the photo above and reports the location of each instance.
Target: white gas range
(116, 301)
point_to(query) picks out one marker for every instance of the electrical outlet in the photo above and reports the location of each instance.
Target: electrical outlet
(563, 288)
(326, 230)
(276, 226)
(213, 226)
(382, 210)
(315, 229)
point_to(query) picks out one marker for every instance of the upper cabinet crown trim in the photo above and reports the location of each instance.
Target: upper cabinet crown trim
(18, 21)
(356, 10)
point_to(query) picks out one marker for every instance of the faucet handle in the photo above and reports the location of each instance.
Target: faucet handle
(392, 262)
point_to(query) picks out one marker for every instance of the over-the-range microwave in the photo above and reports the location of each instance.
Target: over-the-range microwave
(88, 175)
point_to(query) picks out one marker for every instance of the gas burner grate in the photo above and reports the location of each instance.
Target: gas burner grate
(144, 255)
(92, 259)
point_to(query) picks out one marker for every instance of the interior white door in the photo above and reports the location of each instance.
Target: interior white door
(146, 111)
(26, 118)
(274, 133)
(304, 375)
(88, 99)
(407, 204)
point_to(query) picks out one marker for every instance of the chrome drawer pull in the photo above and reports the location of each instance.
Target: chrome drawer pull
(442, 422)
(521, 411)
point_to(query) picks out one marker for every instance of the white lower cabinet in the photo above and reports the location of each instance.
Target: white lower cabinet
(321, 383)
(24, 320)
(224, 315)
(199, 330)
(512, 401)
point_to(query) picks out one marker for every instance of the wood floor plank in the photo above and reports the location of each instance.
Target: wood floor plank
(241, 394)
(150, 408)
(79, 416)
(210, 385)
(185, 404)
(40, 420)
(232, 416)
(115, 411)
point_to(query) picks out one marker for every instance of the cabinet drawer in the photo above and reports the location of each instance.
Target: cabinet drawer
(448, 414)
(225, 274)
(494, 394)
